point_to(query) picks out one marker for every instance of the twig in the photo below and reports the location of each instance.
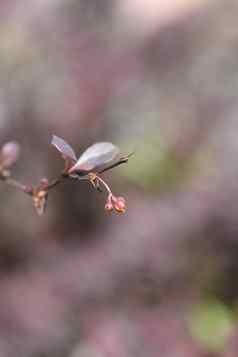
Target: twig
(14, 183)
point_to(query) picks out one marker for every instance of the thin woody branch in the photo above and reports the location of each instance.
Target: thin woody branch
(18, 185)
(95, 160)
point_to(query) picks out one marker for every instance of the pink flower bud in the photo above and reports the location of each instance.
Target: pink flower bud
(109, 206)
(44, 183)
(120, 204)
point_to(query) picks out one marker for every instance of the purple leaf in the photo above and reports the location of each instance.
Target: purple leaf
(96, 156)
(64, 148)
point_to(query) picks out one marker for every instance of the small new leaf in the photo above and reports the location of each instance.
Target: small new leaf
(64, 148)
(96, 157)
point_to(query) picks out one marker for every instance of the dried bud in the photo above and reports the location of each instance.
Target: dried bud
(9, 154)
(119, 204)
(40, 200)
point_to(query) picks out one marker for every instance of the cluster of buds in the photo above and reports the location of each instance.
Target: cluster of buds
(118, 204)
(115, 203)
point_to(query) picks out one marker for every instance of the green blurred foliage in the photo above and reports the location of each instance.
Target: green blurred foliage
(211, 323)
(154, 167)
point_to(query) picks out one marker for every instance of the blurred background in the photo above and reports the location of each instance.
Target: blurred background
(158, 78)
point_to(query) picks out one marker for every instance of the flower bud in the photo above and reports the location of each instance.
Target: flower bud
(44, 183)
(9, 154)
(120, 204)
(108, 206)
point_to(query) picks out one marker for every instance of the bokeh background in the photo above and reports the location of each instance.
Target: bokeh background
(156, 77)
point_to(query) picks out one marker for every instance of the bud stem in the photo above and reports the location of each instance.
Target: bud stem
(96, 177)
